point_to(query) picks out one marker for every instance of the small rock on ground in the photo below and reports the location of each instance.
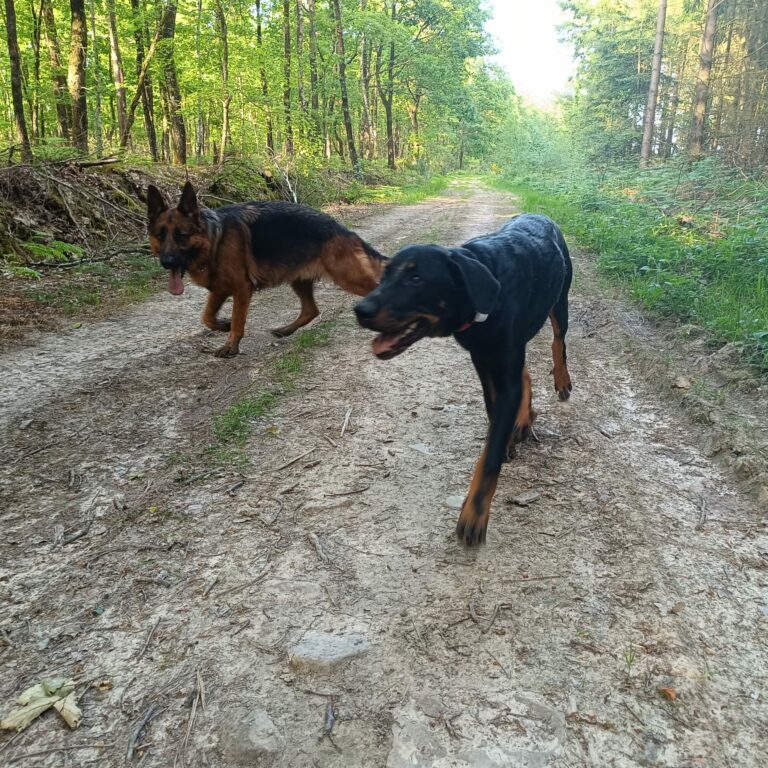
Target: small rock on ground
(322, 650)
(251, 739)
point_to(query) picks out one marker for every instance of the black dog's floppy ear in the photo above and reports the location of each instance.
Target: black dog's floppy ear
(155, 202)
(188, 203)
(481, 286)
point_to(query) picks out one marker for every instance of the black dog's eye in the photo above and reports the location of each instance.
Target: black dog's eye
(182, 238)
(414, 279)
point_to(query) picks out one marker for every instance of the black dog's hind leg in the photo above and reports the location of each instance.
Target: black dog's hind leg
(558, 316)
(507, 380)
(309, 311)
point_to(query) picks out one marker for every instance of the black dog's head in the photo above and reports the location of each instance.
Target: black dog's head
(177, 236)
(426, 290)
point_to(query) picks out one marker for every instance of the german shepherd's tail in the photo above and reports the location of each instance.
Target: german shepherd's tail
(370, 251)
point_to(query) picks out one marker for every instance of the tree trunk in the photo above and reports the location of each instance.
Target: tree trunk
(346, 115)
(386, 93)
(144, 89)
(263, 78)
(76, 75)
(200, 128)
(116, 61)
(287, 76)
(37, 23)
(97, 83)
(226, 139)
(300, 55)
(649, 121)
(314, 97)
(366, 139)
(171, 92)
(60, 94)
(16, 89)
(701, 95)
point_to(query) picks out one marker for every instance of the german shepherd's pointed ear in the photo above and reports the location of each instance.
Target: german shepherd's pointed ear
(481, 286)
(155, 203)
(188, 204)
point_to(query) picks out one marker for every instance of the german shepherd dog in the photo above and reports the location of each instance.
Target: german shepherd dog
(493, 294)
(238, 249)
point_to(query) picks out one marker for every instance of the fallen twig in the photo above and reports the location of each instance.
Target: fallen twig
(315, 541)
(52, 750)
(346, 422)
(267, 567)
(149, 637)
(152, 712)
(293, 461)
(349, 493)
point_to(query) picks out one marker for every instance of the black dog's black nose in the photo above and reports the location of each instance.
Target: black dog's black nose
(167, 261)
(365, 310)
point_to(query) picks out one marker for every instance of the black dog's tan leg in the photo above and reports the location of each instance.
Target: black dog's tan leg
(525, 416)
(309, 311)
(212, 307)
(559, 319)
(475, 513)
(241, 300)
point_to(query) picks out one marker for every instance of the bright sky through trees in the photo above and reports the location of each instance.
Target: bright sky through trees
(529, 50)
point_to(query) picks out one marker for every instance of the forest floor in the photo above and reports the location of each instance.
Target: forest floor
(301, 600)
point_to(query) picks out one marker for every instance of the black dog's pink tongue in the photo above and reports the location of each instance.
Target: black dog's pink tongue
(175, 282)
(383, 343)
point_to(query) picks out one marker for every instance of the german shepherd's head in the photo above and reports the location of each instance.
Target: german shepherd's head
(427, 290)
(177, 236)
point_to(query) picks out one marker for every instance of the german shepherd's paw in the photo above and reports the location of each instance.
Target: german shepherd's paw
(228, 350)
(470, 529)
(222, 325)
(283, 331)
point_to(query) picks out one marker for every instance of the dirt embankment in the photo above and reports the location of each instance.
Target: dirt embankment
(312, 606)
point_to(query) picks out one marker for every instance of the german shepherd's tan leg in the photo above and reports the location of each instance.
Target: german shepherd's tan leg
(350, 267)
(309, 310)
(241, 299)
(212, 307)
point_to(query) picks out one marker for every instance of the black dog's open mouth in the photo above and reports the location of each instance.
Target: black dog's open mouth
(389, 345)
(176, 281)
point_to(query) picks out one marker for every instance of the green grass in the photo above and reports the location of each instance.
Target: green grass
(233, 426)
(679, 258)
(403, 194)
(132, 279)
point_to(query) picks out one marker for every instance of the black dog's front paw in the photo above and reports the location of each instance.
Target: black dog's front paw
(471, 529)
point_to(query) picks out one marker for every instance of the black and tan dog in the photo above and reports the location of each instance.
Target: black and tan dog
(238, 249)
(494, 294)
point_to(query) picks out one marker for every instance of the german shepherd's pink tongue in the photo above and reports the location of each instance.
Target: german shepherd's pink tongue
(175, 282)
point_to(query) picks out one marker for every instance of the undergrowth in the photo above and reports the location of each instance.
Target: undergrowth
(689, 242)
(232, 427)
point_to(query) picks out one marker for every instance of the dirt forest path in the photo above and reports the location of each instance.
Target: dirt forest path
(313, 607)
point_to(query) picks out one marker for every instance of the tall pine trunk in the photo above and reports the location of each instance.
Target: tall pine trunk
(36, 112)
(300, 55)
(76, 76)
(200, 128)
(226, 138)
(144, 90)
(287, 76)
(16, 89)
(60, 93)
(264, 84)
(314, 96)
(346, 115)
(366, 139)
(649, 121)
(701, 95)
(171, 91)
(116, 62)
(97, 83)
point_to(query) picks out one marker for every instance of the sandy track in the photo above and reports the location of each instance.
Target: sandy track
(637, 568)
